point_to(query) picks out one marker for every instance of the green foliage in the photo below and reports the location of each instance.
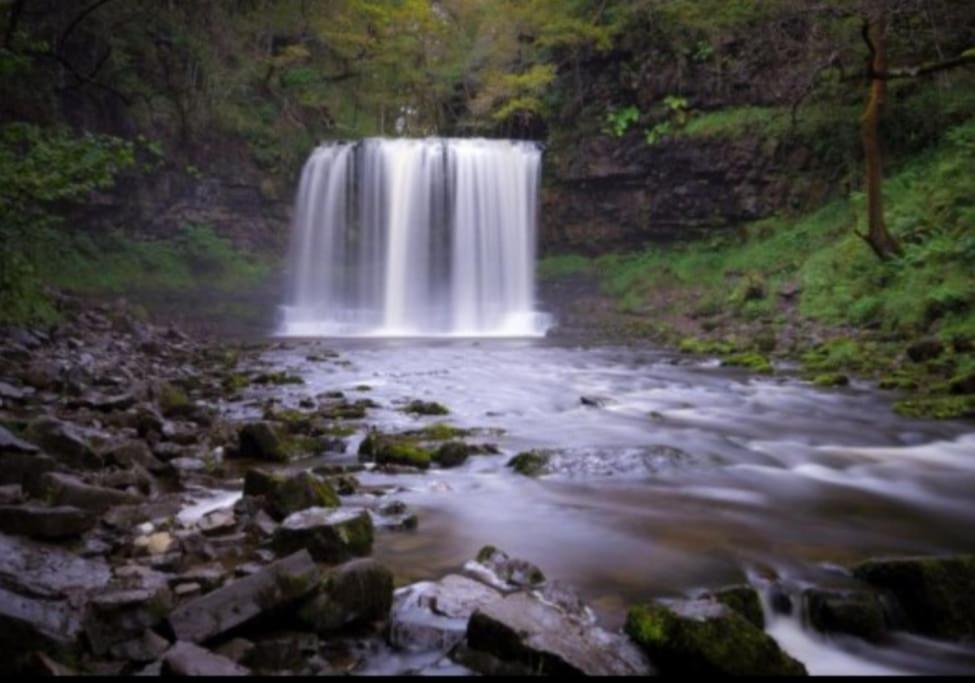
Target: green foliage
(563, 265)
(619, 120)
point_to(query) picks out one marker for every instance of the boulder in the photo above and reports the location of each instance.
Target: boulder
(28, 624)
(262, 441)
(64, 489)
(744, 600)
(530, 463)
(358, 592)
(521, 628)
(856, 613)
(433, 615)
(48, 523)
(704, 637)
(935, 594)
(187, 659)
(300, 492)
(279, 584)
(452, 454)
(330, 535)
(63, 441)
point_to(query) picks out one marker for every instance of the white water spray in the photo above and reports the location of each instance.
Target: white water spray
(416, 238)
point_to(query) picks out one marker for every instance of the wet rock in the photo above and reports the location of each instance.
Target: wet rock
(120, 615)
(12, 444)
(217, 523)
(594, 401)
(275, 586)
(358, 592)
(147, 647)
(388, 450)
(507, 573)
(530, 463)
(330, 535)
(28, 624)
(856, 613)
(452, 454)
(187, 659)
(64, 489)
(936, 594)
(48, 523)
(705, 637)
(520, 628)
(63, 441)
(43, 570)
(300, 492)
(262, 441)
(433, 615)
(744, 600)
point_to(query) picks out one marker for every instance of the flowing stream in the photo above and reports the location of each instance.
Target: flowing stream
(687, 476)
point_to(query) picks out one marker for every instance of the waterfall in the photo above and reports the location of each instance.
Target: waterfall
(416, 238)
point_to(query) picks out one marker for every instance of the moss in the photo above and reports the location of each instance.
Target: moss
(530, 463)
(937, 407)
(452, 454)
(439, 432)
(426, 408)
(745, 601)
(831, 379)
(713, 641)
(173, 401)
(278, 379)
(403, 453)
(705, 347)
(755, 362)
(234, 382)
(300, 492)
(263, 441)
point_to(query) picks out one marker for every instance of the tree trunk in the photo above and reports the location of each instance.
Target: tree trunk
(879, 239)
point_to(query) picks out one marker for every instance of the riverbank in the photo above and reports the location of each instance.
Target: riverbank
(186, 505)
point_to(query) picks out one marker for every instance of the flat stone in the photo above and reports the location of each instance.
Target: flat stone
(278, 584)
(433, 615)
(65, 489)
(187, 659)
(65, 442)
(520, 628)
(49, 523)
(28, 624)
(48, 571)
(121, 614)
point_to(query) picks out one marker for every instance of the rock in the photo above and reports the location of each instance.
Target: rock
(277, 585)
(520, 628)
(142, 649)
(707, 638)
(130, 453)
(187, 659)
(856, 613)
(300, 492)
(27, 470)
(11, 444)
(936, 594)
(173, 401)
(64, 489)
(530, 463)
(104, 403)
(11, 393)
(925, 349)
(594, 401)
(385, 450)
(358, 592)
(11, 494)
(330, 535)
(29, 624)
(452, 454)
(48, 523)
(744, 600)
(262, 441)
(119, 615)
(63, 441)
(217, 523)
(507, 573)
(158, 543)
(147, 420)
(51, 572)
(433, 615)
(258, 482)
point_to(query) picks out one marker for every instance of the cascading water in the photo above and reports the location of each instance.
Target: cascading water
(416, 238)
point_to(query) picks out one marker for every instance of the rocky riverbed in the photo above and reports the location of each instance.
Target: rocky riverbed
(173, 505)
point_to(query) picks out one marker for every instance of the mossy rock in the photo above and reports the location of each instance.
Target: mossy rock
(452, 454)
(438, 432)
(831, 379)
(426, 408)
(263, 441)
(744, 600)
(704, 637)
(856, 613)
(705, 347)
(330, 535)
(937, 407)
(755, 362)
(530, 463)
(403, 453)
(278, 379)
(299, 492)
(936, 594)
